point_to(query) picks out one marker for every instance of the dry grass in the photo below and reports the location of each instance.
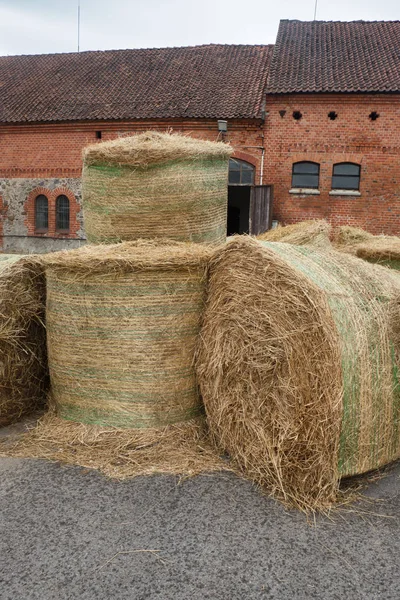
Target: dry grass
(306, 233)
(380, 249)
(153, 147)
(345, 235)
(23, 357)
(297, 366)
(128, 257)
(269, 373)
(181, 449)
(384, 250)
(156, 185)
(122, 323)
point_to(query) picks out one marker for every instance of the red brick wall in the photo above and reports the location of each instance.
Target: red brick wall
(41, 151)
(54, 151)
(352, 137)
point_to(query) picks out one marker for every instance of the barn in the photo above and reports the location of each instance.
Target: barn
(313, 120)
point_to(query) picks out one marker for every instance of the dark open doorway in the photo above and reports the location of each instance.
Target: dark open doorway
(249, 205)
(238, 209)
(241, 178)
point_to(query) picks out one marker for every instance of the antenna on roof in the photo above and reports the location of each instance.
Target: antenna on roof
(315, 9)
(79, 21)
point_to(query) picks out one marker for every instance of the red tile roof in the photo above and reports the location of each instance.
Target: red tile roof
(213, 81)
(321, 56)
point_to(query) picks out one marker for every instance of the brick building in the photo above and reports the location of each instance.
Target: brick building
(316, 116)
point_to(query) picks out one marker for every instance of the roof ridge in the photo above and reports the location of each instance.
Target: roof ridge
(338, 21)
(110, 50)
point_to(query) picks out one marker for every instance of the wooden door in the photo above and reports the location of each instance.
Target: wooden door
(260, 209)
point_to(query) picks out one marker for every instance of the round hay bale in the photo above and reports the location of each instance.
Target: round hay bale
(298, 366)
(156, 185)
(382, 250)
(306, 233)
(122, 322)
(23, 356)
(346, 238)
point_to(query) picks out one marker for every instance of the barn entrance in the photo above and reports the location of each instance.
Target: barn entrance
(238, 209)
(241, 178)
(249, 205)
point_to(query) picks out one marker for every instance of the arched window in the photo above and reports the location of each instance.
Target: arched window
(62, 213)
(41, 213)
(305, 175)
(240, 172)
(346, 176)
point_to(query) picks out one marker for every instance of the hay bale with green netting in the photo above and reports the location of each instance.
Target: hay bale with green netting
(23, 357)
(298, 366)
(379, 249)
(347, 236)
(156, 185)
(306, 233)
(122, 323)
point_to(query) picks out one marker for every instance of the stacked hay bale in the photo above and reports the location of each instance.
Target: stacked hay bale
(122, 322)
(156, 185)
(379, 249)
(23, 363)
(123, 319)
(346, 236)
(298, 366)
(306, 233)
(384, 251)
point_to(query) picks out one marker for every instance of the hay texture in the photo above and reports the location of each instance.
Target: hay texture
(23, 357)
(379, 249)
(306, 233)
(382, 250)
(180, 449)
(156, 185)
(298, 366)
(347, 236)
(122, 322)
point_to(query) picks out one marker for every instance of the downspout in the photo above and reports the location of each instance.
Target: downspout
(262, 161)
(263, 115)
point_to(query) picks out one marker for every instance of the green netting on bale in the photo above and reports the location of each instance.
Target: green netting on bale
(297, 363)
(391, 264)
(360, 299)
(121, 339)
(174, 194)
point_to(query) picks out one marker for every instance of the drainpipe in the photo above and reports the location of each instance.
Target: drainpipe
(262, 161)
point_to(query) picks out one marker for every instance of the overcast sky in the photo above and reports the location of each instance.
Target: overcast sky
(44, 26)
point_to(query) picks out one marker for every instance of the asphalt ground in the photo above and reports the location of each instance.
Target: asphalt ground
(71, 533)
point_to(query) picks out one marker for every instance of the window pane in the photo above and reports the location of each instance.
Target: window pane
(346, 169)
(345, 183)
(305, 167)
(62, 213)
(41, 212)
(305, 181)
(234, 165)
(234, 176)
(247, 177)
(240, 172)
